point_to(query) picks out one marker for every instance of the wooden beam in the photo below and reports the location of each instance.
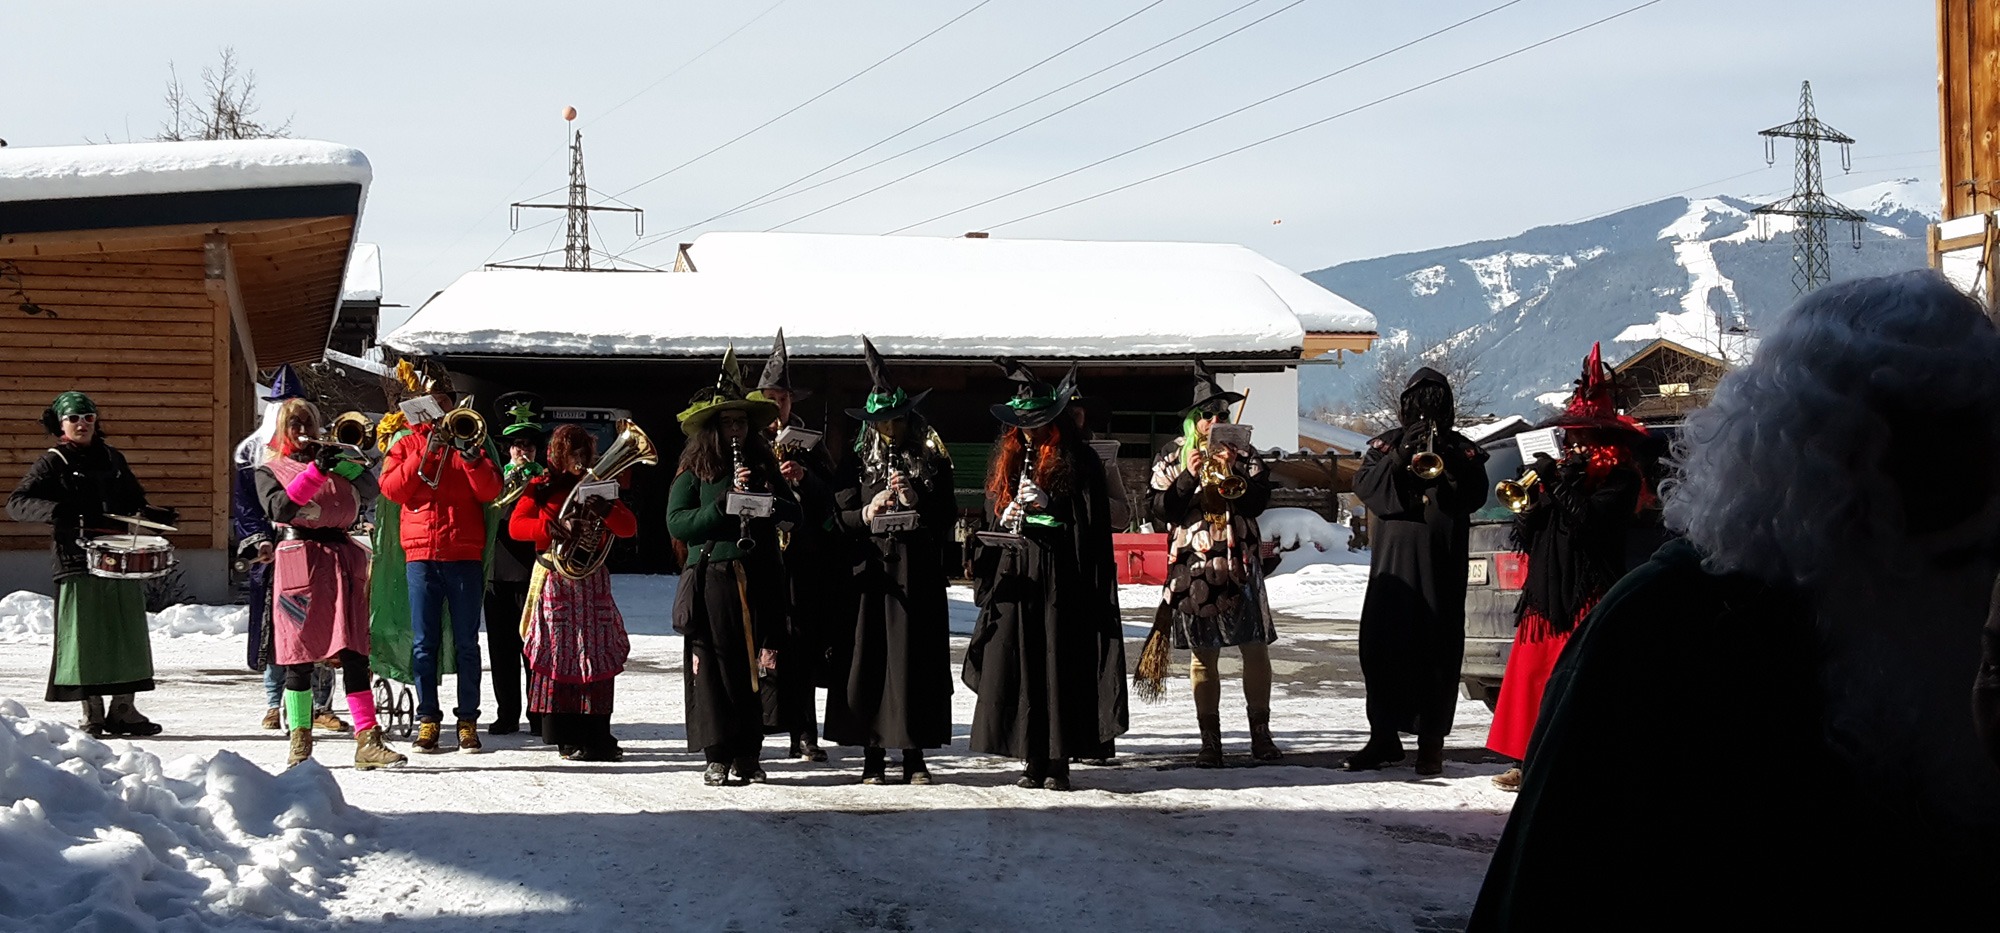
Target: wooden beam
(219, 275)
(1320, 344)
(142, 239)
(228, 312)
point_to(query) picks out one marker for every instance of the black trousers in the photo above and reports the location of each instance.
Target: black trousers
(747, 748)
(353, 674)
(504, 601)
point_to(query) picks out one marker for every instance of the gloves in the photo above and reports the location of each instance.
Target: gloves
(598, 505)
(327, 458)
(1545, 466)
(349, 470)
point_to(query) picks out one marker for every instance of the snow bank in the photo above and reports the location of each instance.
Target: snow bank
(1320, 591)
(26, 616)
(1305, 539)
(47, 172)
(105, 836)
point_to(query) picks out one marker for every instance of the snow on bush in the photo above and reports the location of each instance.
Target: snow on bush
(97, 835)
(1304, 539)
(26, 616)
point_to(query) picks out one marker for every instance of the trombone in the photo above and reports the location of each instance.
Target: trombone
(353, 429)
(462, 428)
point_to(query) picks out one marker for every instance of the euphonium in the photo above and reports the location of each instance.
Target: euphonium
(589, 543)
(1513, 493)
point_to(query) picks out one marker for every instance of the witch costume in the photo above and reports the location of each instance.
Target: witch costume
(819, 588)
(732, 603)
(101, 643)
(894, 688)
(1046, 655)
(1413, 616)
(1214, 594)
(513, 560)
(1573, 531)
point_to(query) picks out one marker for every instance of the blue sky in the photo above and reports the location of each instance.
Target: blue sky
(458, 107)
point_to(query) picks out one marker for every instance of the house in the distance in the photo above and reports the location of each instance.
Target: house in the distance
(1665, 380)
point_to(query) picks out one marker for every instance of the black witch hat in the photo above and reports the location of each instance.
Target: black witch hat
(524, 412)
(886, 401)
(1209, 395)
(778, 371)
(1035, 403)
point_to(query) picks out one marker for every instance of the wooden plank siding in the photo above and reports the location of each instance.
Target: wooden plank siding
(1969, 105)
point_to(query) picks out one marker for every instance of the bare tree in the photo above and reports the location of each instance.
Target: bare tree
(225, 107)
(1379, 399)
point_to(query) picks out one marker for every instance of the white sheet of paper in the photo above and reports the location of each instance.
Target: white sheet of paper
(1234, 435)
(748, 504)
(607, 489)
(1545, 441)
(799, 438)
(421, 410)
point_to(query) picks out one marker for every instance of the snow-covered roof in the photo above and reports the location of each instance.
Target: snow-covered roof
(942, 314)
(364, 274)
(121, 169)
(1332, 435)
(1317, 309)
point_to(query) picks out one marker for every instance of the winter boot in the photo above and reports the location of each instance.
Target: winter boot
(1032, 775)
(468, 737)
(427, 738)
(872, 764)
(750, 770)
(717, 774)
(370, 752)
(1430, 755)
(93, 717)
(122, 718)
(1508, 780)
(805, 746)
(914, 771)
(1262, 747)
(1210, 755)
(1380, 750)
(302, 746)
(1058, 778)
(274, 719)
(325, 721)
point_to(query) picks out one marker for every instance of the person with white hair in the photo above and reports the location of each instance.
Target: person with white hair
(1767, 724)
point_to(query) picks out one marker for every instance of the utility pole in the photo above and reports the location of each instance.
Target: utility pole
(1809, 204)
(577, 209)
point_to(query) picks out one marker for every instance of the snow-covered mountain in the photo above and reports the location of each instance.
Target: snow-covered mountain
(1702, 272)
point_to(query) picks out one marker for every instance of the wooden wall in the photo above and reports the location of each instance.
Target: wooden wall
(1969, 105)
(143, 334)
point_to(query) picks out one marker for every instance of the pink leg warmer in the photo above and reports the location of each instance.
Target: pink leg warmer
(361, 706)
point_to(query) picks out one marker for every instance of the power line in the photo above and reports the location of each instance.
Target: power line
(901, 178)
(1184, 131)
(760, 202)
(804, 103)
(1295, 130)
(752, 21)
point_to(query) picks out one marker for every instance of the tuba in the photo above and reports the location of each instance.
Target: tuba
(589, 543)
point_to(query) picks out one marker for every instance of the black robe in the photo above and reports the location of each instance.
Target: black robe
(71, 488)
(894, 688)
(728, 704)
(1413, 616)
(1047, 656)
(1575, 541)
(819, 591)
(1678, 780)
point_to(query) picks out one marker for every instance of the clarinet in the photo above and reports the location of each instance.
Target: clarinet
(1014, 524)
(745, 543)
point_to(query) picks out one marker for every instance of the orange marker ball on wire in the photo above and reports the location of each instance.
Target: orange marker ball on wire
(569, 113)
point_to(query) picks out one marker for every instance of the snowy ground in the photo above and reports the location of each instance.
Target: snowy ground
(517, 839)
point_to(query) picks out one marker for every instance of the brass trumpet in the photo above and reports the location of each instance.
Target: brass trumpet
(1513, 493)
(1220, 478)
(1426, 463)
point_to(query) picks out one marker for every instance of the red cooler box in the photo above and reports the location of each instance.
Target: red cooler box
(1141, 558)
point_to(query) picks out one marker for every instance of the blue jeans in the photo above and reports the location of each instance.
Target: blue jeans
(274, 687)
(435, 585)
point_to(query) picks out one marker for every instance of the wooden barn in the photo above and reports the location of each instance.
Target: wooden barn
(1664, 381)
(162, 279)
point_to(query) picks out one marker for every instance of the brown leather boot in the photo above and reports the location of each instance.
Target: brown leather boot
(1262, 747)
(371, 753)
(302, 746)
(1210, 755)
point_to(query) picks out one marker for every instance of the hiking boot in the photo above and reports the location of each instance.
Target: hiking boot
(325, 721)
(914, 771)
(1430, 756)
(872, 766)
(274, 719)
(1262, 747)
(1210, 755)
(468, 737)
(1374, 755)
(370, 752)
(302, 746)
(427, 738)
(717, 774)
(122, 718)
(1508, 780)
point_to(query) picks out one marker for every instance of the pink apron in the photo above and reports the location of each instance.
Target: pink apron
(319, 591)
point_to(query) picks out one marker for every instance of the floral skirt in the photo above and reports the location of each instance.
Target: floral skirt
(574, 633)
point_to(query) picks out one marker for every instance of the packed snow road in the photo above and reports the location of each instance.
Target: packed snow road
(516, 839)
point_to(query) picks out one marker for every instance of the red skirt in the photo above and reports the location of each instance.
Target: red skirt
(1528, 667)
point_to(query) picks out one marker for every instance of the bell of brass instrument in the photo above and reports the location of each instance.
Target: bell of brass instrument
(589, 544)
(353, 429)
(1513, 493)
(462, 428)
(515, 482)
(1220, 478)
(1427, 464)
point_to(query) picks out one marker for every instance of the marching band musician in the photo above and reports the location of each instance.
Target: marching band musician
(1214, 594)
(575, 636)
(1422, 482)
(1119, 508)
(507, 591)
(732, 603)
(1045, 655)
(813, 560)
(443, 488)
(101, 644)
(894, 676)
(312, 493)
(1572, 528)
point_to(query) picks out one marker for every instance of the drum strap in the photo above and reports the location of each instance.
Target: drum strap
(321, 535)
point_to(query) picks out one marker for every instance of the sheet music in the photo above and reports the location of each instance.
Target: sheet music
(1545, 441)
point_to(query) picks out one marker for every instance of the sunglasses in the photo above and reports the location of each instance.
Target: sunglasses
(85, 418)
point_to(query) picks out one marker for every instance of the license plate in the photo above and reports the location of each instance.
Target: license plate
(1476, 572)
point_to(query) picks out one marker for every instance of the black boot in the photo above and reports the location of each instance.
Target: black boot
(1031, 776)
(1380, 750)
(750, 770)
(1430, 755)
(122, 718)
(805, 747)
(914, 771)
(1058, 778)
(872, 764)
(717, 774)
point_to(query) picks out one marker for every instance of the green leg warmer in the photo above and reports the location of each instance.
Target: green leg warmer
(298, 709)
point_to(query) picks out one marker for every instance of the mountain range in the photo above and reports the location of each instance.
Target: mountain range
(1703, 272)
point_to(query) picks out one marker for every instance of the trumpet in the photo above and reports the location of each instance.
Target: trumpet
(1513, 493)
(1426, 463)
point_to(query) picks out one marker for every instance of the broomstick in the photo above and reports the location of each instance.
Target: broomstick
(1156, 659)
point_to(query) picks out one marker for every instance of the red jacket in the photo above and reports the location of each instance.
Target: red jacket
(448, 522)
(542, 503)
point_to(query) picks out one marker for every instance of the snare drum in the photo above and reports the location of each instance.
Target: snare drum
(127, 557)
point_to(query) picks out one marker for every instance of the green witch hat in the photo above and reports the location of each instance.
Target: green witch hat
(726, 395)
